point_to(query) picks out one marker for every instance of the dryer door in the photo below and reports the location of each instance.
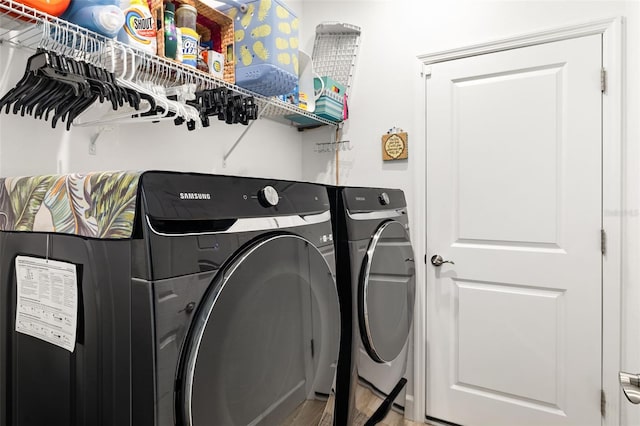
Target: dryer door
(386, 292)
(264, 344)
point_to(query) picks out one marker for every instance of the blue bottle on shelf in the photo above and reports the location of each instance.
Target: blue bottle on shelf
(101, 16)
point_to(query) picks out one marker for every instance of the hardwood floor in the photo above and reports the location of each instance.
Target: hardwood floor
(321, 412)
(309, 413)
(367, 402)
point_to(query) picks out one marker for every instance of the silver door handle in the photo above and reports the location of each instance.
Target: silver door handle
(630, 386)
(437, 260)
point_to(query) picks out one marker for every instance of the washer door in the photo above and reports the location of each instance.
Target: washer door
(265, 341)
(386, 292)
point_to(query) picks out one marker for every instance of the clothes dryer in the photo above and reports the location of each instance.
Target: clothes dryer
(376, 281)
(197, 300)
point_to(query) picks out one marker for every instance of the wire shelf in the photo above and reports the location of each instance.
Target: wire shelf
(24, 27)
(335, 50)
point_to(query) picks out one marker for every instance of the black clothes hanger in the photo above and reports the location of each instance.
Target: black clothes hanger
(228, 107)
(62, 88)
(58, 89)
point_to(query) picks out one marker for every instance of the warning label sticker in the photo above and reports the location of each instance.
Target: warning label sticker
(47, 302)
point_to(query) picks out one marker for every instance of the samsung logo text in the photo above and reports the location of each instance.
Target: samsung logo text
(194, 196)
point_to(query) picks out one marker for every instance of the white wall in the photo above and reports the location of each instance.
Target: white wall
(387, 92)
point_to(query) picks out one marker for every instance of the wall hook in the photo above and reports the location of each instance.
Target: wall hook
(333, 146)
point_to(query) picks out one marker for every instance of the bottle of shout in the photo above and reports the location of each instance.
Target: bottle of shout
(139, 29)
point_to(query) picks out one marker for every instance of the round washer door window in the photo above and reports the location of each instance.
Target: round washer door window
(386, 292)
(265, 340)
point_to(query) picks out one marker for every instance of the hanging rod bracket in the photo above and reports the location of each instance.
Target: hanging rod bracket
(93, 141)
(242, 135)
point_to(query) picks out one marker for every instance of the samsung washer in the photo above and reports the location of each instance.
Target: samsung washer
(209, 300)
(376, 280)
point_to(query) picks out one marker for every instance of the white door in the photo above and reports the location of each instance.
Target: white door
(514, 199)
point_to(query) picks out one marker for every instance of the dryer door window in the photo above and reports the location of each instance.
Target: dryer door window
(386, 292)
(264, 344)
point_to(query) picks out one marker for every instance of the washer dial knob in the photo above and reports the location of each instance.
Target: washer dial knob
(384, 198)
(268, 196)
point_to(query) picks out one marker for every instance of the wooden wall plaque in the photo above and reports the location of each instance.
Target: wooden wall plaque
(395, 146)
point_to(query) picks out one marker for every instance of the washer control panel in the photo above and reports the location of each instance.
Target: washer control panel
(171, 196)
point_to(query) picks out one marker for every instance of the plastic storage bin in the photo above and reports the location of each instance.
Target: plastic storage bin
(266, 47)
(330, 104)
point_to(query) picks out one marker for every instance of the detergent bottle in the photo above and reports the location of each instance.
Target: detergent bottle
(101, 16)
(139, 29)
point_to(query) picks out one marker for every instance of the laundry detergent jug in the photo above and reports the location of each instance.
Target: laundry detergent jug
(139, 29)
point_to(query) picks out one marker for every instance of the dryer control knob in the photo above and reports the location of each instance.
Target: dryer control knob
(384, 198)
(268, 196)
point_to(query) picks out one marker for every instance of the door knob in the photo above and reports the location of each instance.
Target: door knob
(437, 260)
(630, 386)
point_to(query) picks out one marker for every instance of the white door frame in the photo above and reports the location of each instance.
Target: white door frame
(612, 200)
